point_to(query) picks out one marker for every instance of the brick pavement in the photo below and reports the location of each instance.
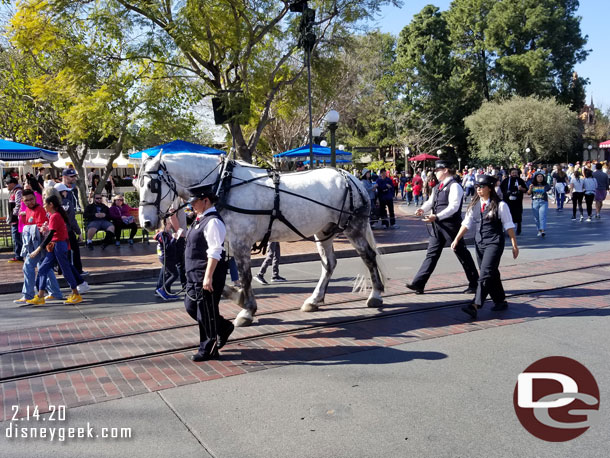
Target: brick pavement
(332, 338)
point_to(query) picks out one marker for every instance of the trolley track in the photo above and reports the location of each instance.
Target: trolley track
(387, 313)
(267, 314)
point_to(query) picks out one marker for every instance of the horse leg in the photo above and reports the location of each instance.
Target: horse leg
(242, 258)
(329, 262)
(362, 239)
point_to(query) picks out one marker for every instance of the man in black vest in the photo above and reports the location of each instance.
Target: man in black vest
(206, 271)
(445, 205)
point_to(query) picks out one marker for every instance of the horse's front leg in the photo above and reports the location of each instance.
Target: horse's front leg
(242, 258)
(329, 262)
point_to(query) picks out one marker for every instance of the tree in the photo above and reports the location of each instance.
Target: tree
(537, 43)
(501, 131)
(232, 48)
(96, 99)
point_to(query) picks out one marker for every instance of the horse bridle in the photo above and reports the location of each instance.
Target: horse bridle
(161, 175)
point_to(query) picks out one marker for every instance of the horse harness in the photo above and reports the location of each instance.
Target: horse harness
(223, 185)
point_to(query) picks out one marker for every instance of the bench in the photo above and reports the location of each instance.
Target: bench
(5, 232)
(135, 212)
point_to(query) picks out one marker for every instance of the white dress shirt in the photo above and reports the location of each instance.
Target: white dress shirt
(503, 211)
(456, 193)
(214, 232)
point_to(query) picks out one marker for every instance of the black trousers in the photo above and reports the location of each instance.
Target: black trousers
(385, 206)
(75, 258)
(443, 234)
(202, 306)
(180, 247)
(577, 202)
(488, 256)
(120, 225)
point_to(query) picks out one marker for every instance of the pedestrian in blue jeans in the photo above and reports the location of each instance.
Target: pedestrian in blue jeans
(540, 201)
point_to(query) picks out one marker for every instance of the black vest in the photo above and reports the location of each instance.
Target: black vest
(441, 201)
(487, 231)
(195, 254)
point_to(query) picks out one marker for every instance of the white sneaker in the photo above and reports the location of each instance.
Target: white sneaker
(588, 219)
(581, 218)
(83, 287)
(539, 234)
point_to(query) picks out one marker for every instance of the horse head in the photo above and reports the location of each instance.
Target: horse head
(157, 191)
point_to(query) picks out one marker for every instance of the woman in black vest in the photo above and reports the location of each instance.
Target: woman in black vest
(489, 217)
(206, 271)
(513, 188)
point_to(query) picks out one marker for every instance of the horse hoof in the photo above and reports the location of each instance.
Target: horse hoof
(243, 319)
(309, 307)
(374, 302)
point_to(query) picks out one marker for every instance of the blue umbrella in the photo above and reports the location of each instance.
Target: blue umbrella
(177, 146)
(319, 152)
(13, 151)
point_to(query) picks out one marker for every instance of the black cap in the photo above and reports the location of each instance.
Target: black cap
(12, 180)
(200, 192)
(442, 164)
(486, 180)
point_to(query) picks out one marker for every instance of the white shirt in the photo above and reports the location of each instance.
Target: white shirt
(214, 232)
(579, 184)
(503, 212)
(456, 193)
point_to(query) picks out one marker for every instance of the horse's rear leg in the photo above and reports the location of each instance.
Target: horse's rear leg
(329, 262)
(242, 258)
(362, 239)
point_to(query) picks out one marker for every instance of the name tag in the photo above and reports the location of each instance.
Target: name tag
(512, 197)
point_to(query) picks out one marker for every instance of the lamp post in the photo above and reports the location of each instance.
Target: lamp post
(590, 147)
(460, 164)
(527, 152)
(332, 118)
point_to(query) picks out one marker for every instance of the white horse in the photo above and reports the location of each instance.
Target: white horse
(318, 203)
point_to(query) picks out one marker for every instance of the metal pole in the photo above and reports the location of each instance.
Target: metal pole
(332, 126)
(308, 56)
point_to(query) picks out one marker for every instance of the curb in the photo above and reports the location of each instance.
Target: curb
(114, 277)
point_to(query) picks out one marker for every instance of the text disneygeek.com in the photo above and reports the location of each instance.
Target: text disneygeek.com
(28, 424)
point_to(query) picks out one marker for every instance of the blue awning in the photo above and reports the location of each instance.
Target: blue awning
(319, 152)
(177, 146)
(327, 161)
(13, 151)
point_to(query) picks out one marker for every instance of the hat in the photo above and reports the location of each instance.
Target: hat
(68, 173)
(12, 180)
(486, 180)
(200, 192)
(442, 164)
(61, 187)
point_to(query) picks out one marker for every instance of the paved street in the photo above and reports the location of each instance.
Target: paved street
(415, 378)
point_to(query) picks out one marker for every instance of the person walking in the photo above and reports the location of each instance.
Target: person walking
(272, 258)
(14, 206)
(590, 187)
(489, 217)
(445, 205)
(560, 186)
(206, 272)
(468, 184)
(513, 188)
(402, 182)
(385, 189)
(540, 201)
(371, 189)
(56, 245)
(577, 186)
(603, 183)
(68, 202)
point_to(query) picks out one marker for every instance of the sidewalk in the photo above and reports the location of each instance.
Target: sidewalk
(141, 260)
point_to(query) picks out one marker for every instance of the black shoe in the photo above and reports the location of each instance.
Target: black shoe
(500, 306)
(222, 339)
(199, 357)
(417, 289)
(278, 279)
(470, 290)
(470, 309)
(90, 246)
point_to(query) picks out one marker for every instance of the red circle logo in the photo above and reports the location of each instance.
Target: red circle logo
(556, 399)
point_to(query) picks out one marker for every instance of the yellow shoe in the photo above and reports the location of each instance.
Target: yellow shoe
(50, 297)
(74, 299)
(36, 301)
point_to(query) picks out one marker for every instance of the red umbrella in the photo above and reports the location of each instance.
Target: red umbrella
(605, 144)
(424, 157)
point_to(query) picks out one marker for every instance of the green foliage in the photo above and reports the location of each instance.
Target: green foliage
(132, 198)
(501, 131)
(375, 166)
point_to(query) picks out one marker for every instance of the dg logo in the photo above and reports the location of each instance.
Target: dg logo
(556, 399)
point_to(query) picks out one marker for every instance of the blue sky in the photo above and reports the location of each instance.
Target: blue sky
(594, 23)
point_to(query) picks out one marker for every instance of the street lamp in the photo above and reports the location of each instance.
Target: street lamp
(439, 152)
(324, 143)
(332, 118)
(317, 133)
(459, 163)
